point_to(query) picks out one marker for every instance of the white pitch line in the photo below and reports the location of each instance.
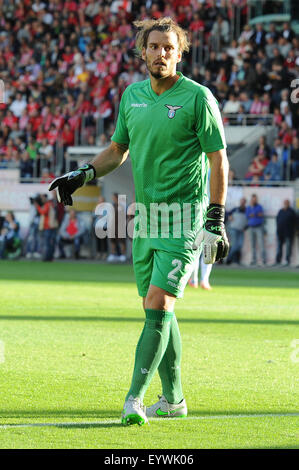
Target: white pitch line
(117, 421)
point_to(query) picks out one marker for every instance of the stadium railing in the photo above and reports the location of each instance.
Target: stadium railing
(236, 119)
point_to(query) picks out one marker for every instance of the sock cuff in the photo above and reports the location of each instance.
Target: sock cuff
(158, 315)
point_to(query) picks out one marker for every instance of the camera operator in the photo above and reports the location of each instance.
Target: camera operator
(47, 225)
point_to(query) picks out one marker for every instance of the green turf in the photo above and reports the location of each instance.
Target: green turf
(70, 331)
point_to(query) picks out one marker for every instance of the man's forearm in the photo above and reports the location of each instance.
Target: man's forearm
(218, 177)
(109, 159)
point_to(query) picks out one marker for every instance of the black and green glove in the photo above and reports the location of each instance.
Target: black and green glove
(213, 236)
(68, 183)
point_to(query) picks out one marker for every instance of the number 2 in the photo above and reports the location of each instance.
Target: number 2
(178, 264)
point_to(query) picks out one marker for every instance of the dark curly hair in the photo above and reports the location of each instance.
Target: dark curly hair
(166, 24)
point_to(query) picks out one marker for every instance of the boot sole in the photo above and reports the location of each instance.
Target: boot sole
(133, 419)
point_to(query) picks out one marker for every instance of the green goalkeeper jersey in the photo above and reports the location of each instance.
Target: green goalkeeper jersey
(168, 138)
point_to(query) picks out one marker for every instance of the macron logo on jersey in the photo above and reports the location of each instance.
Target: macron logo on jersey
(139, 105)
(172, 110)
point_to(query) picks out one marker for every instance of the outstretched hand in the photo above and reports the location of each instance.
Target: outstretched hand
(67, 184)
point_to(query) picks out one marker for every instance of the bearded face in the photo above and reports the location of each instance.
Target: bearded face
(161, 54)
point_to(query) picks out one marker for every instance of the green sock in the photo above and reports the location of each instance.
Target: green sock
(170, 365)
(150, 350)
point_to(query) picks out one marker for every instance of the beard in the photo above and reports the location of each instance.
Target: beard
(156, 74)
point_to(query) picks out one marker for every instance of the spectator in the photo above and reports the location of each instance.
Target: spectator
(32, 149)
(270, 46)
(272, 32)
(259, 37)
(277, 117)
(263, 147)
(241, 116)
(237, 225)
(220, 29)
(213, 63)
(286, 134)
(256, 106)
(103, 140)
(284, 46)
(246, 34)
(288, 118)
(273, 171)
(245, 101)
(278, 78)
(68, 135)
(26, 166)
(45, 150)
(47, 176)
(15, 132)
(9, 119)
(261, 78)
(278, 149)
(287, 32)
(294, 158)
(47, 225)
(10, 242)
(266, 102)
(233, 75)
(255, 219)
(249, 80)
(71, 232)
(32, 239)
(18, 105)
(257, 167)
(232, 105)
(285, 223)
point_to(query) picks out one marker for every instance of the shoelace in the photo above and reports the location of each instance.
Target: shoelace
(137, 402)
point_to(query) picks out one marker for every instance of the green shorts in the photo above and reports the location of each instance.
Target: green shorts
(164, 263)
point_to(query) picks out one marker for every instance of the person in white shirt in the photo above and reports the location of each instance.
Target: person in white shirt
(232, 105)
(18, 105)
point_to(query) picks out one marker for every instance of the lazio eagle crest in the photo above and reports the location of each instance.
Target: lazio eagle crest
(172, 110)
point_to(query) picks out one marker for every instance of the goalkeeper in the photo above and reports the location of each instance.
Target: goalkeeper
(172, 128)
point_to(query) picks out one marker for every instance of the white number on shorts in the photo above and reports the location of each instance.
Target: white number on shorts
(178, 264)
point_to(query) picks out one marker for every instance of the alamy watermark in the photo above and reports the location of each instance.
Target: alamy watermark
(156, 220)
(295, 93)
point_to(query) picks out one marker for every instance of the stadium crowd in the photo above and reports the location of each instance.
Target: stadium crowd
(65, 65)
(65, 62)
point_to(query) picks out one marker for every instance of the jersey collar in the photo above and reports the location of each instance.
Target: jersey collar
(157, 98)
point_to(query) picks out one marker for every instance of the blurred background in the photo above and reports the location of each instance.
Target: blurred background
(64, 66)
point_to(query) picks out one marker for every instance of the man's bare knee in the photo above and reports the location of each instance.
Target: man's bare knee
(159, 299)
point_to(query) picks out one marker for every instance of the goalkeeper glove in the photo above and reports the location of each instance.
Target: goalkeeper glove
(213, 235)
(71, 181)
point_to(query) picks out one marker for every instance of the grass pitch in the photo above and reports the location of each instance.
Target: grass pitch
(68, 334)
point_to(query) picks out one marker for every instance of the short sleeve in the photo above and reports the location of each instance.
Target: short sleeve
(209, 127)
(121, 135)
